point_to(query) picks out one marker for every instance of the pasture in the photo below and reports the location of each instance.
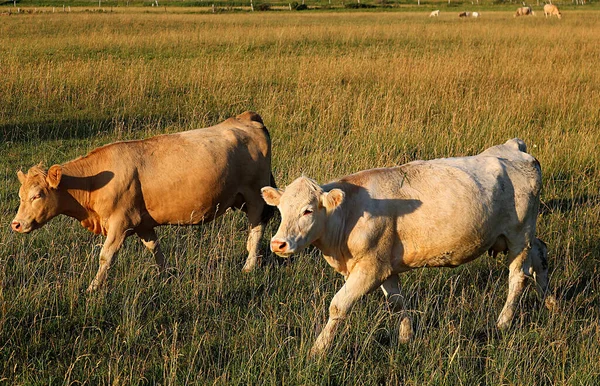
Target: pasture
(339, 92)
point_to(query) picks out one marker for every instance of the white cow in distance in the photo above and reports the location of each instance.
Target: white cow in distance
(435, 13)
(552, 10)
(373, 225)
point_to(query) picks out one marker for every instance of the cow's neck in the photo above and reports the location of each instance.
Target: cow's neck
(332, 241)
(76, 185)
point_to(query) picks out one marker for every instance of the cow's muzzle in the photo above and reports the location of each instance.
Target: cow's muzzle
(281, 247)
(21, 227)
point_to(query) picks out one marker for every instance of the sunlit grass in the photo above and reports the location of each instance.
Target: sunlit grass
(339, 93)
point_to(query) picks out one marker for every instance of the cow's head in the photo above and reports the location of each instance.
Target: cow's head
(39, 198)
(304, 208)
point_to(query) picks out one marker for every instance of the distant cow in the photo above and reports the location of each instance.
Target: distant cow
(551, 10)
(475, 14)
(464, 14)
(130, 187)
(435, 13)
(373, 225)
(523, 11)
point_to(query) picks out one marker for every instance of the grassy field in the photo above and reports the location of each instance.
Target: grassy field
(340, 92)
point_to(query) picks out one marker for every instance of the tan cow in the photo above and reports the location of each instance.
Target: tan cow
(552, 10)
(373, 225)
(523, 11)
(130, 187)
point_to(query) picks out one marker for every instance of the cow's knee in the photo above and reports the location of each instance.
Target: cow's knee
(336, 312)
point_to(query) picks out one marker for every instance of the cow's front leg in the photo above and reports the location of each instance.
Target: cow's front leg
(391, 289)
(114, 240)
(357, 284)
(150, 240)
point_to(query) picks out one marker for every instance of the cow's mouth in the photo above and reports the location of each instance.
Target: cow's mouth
(26, 228)
(284, 254)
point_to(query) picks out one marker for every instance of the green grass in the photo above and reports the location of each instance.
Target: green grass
(340, 92)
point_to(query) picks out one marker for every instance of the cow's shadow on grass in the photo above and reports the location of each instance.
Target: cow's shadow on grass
(53, 130)
(565, 205)
(74, 128)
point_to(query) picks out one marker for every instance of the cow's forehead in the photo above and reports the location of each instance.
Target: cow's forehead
(301, 190)
(35, 177)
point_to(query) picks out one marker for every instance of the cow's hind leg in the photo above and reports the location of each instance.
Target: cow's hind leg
(253, 246)
(150, 240)
(391, 289)
(114, 240)
(539, 260)
(519, 263)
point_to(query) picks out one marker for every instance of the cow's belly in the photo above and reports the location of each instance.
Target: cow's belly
(449, 242)
(450, 255)
(194, 210)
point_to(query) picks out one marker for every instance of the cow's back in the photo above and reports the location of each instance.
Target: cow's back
(187, 177)
(551, 9)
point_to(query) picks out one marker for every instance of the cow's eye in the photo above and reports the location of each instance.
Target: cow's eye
(39, 195)
(307, 212)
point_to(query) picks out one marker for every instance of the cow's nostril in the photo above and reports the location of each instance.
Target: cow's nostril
(16, 225)
(278, 246)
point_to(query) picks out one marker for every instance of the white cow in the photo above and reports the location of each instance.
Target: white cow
(475, 14)
(435, 13)
(373, 225)
(552, 10)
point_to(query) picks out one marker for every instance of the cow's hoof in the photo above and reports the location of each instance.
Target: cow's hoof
(503, 323)
(93, 287)
(406, 333)
(250, 266)
(551, 304)
(316, 352)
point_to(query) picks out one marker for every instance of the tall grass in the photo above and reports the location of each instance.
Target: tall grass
(339, 93)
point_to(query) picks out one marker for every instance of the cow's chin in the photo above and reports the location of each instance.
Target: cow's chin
(284, 254)
(30, 227)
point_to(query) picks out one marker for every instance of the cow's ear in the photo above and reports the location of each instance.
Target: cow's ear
(271, 195)
(22, 177)
(332, 199)
(54, 175)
